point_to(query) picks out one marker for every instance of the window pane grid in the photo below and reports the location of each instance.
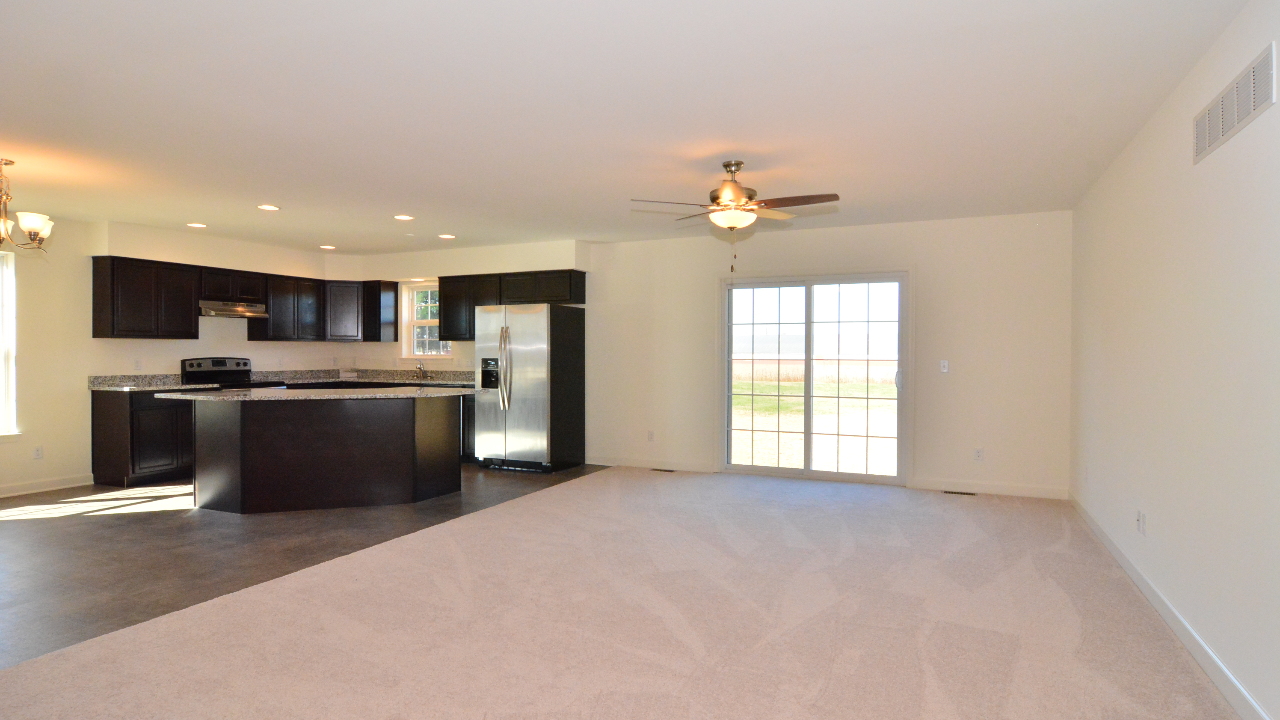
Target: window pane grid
(853, 413)
(423, 323)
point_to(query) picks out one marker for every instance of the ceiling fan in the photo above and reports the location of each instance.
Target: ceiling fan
(734, 206)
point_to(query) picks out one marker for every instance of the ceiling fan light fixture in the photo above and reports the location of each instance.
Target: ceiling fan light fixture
(732, 219)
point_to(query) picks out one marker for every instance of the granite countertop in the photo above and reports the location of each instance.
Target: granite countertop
(320, 394)
(172, 383)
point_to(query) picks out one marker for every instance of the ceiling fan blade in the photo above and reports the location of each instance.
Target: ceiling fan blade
(665, 202)
(795, 200)
(773, 214)
(686, 217)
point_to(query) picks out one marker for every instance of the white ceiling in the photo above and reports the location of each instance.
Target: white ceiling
(508, 121)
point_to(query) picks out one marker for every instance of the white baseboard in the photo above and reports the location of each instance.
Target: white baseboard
(34, 486)
(1231, 689)
(1035, 491)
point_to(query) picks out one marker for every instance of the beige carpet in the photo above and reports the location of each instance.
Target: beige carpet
(636, 594)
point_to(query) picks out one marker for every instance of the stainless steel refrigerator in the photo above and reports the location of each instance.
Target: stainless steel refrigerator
(530, 362)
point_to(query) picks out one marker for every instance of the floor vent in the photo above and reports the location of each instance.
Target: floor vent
(956, 492)
(1253, 91)
(661, 470)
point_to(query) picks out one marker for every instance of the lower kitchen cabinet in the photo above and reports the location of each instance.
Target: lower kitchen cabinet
(139, 438)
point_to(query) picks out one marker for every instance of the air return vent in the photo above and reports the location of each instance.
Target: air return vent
(1243, 100)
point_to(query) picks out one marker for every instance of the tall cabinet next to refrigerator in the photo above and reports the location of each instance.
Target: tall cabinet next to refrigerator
(530, 358)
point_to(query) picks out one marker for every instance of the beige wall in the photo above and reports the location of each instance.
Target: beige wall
(1177, 306)
(990, 295)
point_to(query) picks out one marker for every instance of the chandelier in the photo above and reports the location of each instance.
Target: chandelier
(34, 226)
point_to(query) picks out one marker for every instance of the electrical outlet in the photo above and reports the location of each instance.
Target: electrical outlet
(979, 454)
(650, 436)
(946, 366)
(137, 364)
(1141, 521)
(37, 453)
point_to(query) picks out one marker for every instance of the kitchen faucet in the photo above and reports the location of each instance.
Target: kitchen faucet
(422, 372)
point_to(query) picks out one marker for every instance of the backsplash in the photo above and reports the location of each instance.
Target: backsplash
(456, 376)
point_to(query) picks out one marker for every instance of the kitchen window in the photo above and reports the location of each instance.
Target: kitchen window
(8, 346)
(422, 322)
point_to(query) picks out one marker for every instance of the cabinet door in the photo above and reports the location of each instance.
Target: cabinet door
(215, 285)
(381, 313)
(485, 290)
(342, 309)
(282, 308)
(248, 288)
(555, 286)
(135, 291)
(161, 433)
(310, 309)
(519, 288)
(179, 308)
(456, 308)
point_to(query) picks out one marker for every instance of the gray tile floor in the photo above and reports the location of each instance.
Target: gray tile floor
(72, 569)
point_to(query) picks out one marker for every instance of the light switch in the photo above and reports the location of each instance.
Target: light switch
(946, 366)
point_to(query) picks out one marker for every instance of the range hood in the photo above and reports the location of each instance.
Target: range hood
(213, 308)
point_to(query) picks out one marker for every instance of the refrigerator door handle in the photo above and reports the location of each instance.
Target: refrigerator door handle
(502, 368)
(507, 373)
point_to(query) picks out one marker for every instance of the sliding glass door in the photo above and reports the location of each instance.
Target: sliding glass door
(814, 377)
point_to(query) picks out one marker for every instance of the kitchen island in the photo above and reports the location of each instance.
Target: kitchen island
(274, 449)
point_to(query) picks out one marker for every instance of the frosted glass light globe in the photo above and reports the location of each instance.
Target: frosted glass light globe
(732, 219)
(31, 222)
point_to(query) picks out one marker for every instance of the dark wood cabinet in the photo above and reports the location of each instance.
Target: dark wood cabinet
(138, 438)
(145, 299)
(552, 286)
(179, 309)
(149, 299)
(310, 309)
(456, 308)
(295, 310)
(343, 314)
(281, 322)
(306, 309)
(460, 295)
(381, 311)
(232, 286)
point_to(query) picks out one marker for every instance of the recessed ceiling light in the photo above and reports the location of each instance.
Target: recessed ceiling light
(196, 225)
(404, 217)
(268, 207)
(328, 247)
(446, 237)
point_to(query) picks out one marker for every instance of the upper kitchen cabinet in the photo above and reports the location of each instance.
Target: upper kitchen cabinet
(381, 311)
(295, 310)
(459, 297)
(553, 286)
(232, 286)
(145, 299)
(343, 317)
